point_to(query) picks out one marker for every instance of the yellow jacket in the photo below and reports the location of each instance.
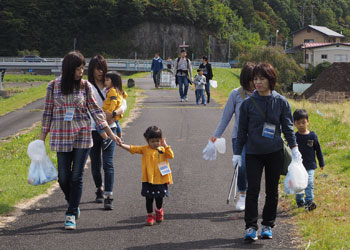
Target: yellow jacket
(150, 160)
(113, 101)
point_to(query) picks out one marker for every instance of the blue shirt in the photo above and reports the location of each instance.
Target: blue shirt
(309, 147)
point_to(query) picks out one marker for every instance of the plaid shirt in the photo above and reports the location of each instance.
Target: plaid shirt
(66, 135)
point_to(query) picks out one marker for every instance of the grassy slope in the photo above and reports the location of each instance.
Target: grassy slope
(14, 164)
(326, 227)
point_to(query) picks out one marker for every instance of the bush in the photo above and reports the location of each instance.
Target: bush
(287, 69)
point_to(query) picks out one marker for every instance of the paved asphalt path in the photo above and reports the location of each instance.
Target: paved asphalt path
(13, 122)
(196, 213)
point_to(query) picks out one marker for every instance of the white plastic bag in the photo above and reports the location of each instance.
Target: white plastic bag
(213, 83)
(209, 152)
(297, 178)
(220, 145)
(41, 169)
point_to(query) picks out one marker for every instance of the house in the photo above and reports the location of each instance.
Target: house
(316, 53)
(315, 34)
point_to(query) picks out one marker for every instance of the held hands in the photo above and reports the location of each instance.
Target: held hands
(296, 155)
(116, 139)
(237, 160)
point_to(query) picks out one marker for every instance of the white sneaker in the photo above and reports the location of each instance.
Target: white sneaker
(240, 205)
(181, 100)
(186, 99)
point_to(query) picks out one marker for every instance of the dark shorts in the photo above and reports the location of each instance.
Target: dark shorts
(154, 191)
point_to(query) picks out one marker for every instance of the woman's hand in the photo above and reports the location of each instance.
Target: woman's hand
(213, 139)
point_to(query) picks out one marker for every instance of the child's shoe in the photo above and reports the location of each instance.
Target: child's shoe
(108, 203)
(150, 220)
(266, 233)
(310, 206)
(240, 206)
(159, 215)
(300, 204)
(250, 235)
(106, 143)
(69, 223)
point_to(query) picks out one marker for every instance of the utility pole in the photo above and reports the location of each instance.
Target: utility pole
(312, 14)
(209, 49)
(163, 46)
(303, 16)
(276, 37)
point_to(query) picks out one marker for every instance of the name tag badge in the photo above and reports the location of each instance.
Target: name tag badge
(164, 168)
(69, 115)
(269, 130)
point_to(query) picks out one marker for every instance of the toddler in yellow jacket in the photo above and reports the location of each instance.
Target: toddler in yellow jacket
(156, 173)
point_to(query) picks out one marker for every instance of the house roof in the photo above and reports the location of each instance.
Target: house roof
(318, 45)
(321, 29)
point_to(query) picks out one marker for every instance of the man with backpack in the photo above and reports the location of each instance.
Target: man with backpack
(183, 74)
(156, 69)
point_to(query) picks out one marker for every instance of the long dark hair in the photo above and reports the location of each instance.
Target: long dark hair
(71, 62)
(97, 62)
(116, 80)
(247, 75)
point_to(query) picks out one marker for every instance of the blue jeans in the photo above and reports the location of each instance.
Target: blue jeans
(309, 191)
(118, 129)
(183, 86)
(70, 176)
(106, 159)
(242, 181)
(200, 94)
(207, 89)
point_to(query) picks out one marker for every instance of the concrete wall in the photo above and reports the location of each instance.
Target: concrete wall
(298, 38)
(332, 53)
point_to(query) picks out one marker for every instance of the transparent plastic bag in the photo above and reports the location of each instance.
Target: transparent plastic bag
(213, 83)
(297, 178)
(209, 152)
(220, 145)
(41, 169)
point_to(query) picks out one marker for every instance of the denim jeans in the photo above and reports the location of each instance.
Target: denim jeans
(103, 158)
(156, 78)
(200, 94)
(183, 86)
(309, 191)
(242, 181)
(70, 176)
(255, 165)
(119, 128)
(207, 89)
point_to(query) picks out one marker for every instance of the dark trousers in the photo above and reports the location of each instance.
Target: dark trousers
(254, 166)
(103, 158)
(70, 176)
(207, 90)
(156, 78)
(149, 204)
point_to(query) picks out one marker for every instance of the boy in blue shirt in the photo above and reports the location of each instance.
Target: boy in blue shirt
(309, 147)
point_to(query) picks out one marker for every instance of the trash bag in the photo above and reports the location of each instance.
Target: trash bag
(41, 169)
(213, 83)
(209, 152)
(297, 178)
(220, 145)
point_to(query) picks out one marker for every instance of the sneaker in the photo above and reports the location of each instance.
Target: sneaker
(150, 220)
(266, 233)
(300, 204)
(106, 143)
(310, 206)
(99, 196)
(250, 235)
(159, 215)
(108, 203)
(181, 100)
(69, 223)
(240, 205)
(186, 99)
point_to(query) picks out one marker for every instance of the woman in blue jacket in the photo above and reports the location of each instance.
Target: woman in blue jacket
(263, 117)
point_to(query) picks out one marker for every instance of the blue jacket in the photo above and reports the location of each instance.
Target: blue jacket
(157, 64)
(251, 122)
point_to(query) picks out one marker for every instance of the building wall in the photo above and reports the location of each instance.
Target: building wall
(333, 54)
(318, 37)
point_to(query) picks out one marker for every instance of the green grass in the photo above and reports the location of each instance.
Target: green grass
(327, 227)
(136, 75)
(28, 78)
(21, 99)
(15, 163)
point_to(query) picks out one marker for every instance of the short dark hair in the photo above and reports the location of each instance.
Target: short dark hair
(300, 114)
(153, 132)
(70, 63)
(116, 79)
(266, 70)
(246, 75)
(200, 69)
(183, 50)
(205, 58)
(97, 62)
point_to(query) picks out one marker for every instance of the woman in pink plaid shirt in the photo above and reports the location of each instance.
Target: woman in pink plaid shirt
(69, 100)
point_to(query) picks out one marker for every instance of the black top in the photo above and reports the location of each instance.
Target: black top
(207, 70)
(309, 145)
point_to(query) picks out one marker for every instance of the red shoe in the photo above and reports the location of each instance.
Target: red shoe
(159, 215)
(150, 220)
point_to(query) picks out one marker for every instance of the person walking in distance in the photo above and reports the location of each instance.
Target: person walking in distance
(232, 107)
(208, 73)
(69, 101)
(156, 69)
(183, 74)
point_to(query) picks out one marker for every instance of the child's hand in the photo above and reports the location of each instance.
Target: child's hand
(163, 143)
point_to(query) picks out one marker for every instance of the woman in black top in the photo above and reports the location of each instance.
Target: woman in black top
(208, 72)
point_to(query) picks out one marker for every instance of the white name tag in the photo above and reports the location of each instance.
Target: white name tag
(164, 168)
(269, 130)
(69, 115)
